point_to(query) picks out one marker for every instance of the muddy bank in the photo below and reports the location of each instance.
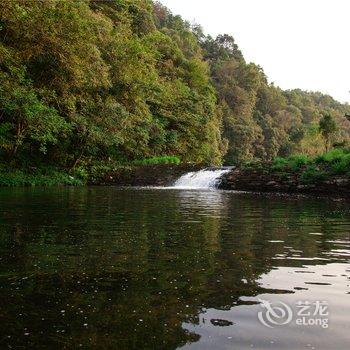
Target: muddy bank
(254, 180)
(150, 175)
(261, 181)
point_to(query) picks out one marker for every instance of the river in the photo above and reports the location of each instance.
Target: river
(114, 268)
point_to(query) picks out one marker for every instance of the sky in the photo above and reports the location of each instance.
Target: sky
(299, 43)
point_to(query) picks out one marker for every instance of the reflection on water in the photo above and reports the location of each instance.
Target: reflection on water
(166, 269)
(205, 203)
(243, 329)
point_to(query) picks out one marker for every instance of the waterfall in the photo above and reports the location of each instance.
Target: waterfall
(203, 179)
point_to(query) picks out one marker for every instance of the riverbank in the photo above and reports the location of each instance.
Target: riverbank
(254, 179)
(262, 180)
(123, 175)
(143, 175)
(328, 174)
(35, 177)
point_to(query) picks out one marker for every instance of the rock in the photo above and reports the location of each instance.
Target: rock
(237, 179)
(342, 181)
(221, 323)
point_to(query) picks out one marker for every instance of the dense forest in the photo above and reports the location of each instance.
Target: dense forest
(90, 81)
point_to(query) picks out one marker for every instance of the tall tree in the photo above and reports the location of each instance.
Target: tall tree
(328, 128)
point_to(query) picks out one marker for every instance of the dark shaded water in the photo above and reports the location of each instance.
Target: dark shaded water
(109, 268)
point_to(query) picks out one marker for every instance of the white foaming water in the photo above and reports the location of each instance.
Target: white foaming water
(203, 179)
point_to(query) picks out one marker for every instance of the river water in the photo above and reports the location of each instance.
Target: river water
(113, 268)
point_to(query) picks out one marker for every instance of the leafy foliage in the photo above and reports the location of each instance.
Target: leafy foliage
(48, 178)
(293, 163)
(313, 174)
(91, 82)
(314, 169)
(262, 121)
(158, 160)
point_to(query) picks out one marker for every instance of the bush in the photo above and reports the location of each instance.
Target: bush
(99, 171)
(335, 162)
(314, 170)
(292, 163)
(253, 164)
(81, 173)
(332, 156)
(342, 165)
(20, 178)
(279, 164)
(313, 174)
(158, 160)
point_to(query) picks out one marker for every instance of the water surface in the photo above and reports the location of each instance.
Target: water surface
(109, 268)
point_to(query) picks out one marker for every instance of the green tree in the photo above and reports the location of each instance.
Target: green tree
(328, 127)
(85, 81)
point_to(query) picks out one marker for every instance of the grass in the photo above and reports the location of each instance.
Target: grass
(52, 178)
(81, 175)
(292, 163)
(158, 160)
(308, 169)
(315, 169)
(337, 160)
(313, 174)
(98, 172)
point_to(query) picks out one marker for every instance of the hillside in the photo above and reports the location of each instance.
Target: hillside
(95, 82)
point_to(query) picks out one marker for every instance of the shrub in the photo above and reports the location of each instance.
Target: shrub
(81, 173)
(99, 171)
(313, 174)
(20, 178)
(336, 161)
(279, 164)
(253, 164)
(342, 165)
(291, 163)
(158, 160)
(331, 157)
(298, 161)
